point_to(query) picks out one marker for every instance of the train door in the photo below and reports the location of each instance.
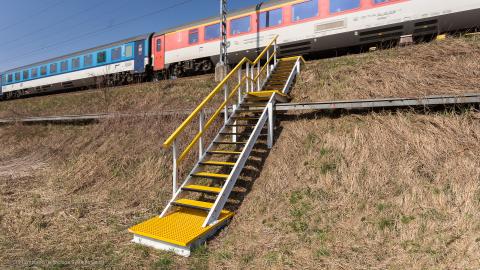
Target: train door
(140, 56)
(159, 52)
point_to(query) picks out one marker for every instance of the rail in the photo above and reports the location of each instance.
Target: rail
(246, 76)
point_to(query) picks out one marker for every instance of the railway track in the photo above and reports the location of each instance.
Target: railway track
(343, 105)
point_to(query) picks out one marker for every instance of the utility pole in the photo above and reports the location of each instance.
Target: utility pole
(221, 68)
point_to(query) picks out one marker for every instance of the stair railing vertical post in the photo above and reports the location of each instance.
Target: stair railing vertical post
(201, 117)
(247, 74)
(258, 75)
(225, 94)
(268, 67)
(275, 52)
(175, 168)
(271, 121)
(252, 85)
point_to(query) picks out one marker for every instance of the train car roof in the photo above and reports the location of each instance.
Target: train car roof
(78, 53)
(264, 5)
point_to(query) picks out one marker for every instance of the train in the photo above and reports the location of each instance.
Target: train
(304, 27)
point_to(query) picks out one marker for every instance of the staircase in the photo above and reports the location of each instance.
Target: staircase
(197, 208)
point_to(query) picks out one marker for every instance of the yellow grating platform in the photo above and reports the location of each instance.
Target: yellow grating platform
(179, 228)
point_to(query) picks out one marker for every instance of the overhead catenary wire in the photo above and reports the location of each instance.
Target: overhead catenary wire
(57, 22)
(33, 15)
(69, 29)
(98, 31)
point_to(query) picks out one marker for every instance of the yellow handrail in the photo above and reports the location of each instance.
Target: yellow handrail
(197, 110)
(212, 94)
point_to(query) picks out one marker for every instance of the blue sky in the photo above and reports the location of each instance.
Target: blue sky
(33, 30)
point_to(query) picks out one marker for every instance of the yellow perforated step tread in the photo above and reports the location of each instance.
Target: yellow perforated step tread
(179, 228)
(225, 152)
(218, 163)
(215, 190)
(193, 203)
(211, 175)
(266, 93)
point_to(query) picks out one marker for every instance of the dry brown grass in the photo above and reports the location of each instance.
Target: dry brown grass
(444, 67)
(362, 191)
(384, 191)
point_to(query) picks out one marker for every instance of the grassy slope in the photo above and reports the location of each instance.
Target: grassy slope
(361, 191)
(148, 97)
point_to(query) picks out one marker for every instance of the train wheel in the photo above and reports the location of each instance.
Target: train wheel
(207, 66)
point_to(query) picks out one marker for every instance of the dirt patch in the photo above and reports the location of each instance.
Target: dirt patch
(21, 167)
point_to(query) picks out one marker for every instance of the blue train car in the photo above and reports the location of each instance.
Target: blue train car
(115, 63)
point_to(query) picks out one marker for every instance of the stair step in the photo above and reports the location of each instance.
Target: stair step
(245, 118)
(202, 189)
(249, 110)
(235, 134)
(254, 104)
(224, 152)
(211, 175)
(232, 143)
(241, 125)
(179, 228)
(193, 204)
(218, 163)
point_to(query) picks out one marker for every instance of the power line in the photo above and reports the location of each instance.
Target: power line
(44, 37)
(57, 22)
(33, 15)
(140, 17)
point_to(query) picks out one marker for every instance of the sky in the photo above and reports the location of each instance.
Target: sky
(33, 30)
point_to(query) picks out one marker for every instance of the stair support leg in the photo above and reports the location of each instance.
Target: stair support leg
(271, 121)
(175, 169)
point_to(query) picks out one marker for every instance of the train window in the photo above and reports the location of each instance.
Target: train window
(159, 45)
(212, 32)
(26, 75)
(304, 10)
(116, 53)
(380, 1)
(193, 36)
(240, 25)
(270, 18)
(10, 78)
(43, 70)
(342, 5)
(128, 51)
(53, 68)
(34, 72)
(101, 57)
(88, 60)
(64, 66)
(76, 63)
(17, 76)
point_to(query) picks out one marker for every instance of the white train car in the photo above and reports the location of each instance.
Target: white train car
(308, 26)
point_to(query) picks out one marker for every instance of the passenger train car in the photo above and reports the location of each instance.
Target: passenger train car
(303, 26)
(117, 62)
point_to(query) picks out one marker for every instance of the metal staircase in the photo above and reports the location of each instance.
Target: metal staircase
(247, 108)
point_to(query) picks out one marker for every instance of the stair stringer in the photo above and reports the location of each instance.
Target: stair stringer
(237, 169)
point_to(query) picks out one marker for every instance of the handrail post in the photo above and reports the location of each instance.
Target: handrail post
(225, 91)
(175, 168)
(200, 130)
(268, 63)
(252, 85)
(258, 75)
(240, 86)
(247, 82)
(275, 52)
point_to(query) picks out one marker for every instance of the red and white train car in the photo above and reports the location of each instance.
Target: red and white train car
(306, 26)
